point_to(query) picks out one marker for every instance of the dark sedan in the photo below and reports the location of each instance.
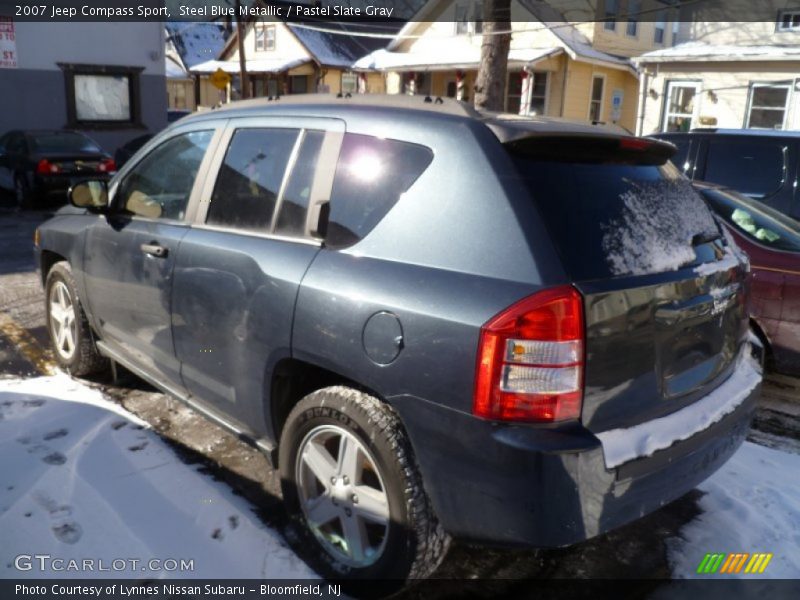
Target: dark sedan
(772, 241)
(40, 166)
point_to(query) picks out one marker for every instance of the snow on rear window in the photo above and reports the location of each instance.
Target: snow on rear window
(654, 231)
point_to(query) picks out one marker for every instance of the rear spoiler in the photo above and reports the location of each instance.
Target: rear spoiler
(595, 148)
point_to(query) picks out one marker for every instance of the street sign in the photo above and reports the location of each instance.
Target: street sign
(8, 44)
(220, 79)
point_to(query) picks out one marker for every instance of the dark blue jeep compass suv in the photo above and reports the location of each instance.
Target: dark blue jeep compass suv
(438, 323)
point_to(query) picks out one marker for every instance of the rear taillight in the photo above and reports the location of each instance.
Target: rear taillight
(531, 359)
(107, 165)
(45, 167)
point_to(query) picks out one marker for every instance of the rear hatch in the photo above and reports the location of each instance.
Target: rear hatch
(665, 297)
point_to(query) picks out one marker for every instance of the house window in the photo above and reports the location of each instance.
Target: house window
(610, 16)
(632, 27)
(789, 20)
(537, 92)
(102, 96)
(676, 27)
(596, 102)
(298, 84)
(265, 37)
(349, 83)
(469, 18)
(660, 29)
(680, 106)
(767, 106)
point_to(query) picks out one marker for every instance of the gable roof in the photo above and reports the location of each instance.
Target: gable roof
(196, 41)
(566, 35)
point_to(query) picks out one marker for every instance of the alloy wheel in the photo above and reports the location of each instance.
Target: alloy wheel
(63, 322)
(342, 495)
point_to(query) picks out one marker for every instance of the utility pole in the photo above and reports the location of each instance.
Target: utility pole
(240, 31)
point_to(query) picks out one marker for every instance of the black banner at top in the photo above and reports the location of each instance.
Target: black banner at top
(398, 11)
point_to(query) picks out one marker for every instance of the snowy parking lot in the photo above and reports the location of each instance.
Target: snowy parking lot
(108, 470)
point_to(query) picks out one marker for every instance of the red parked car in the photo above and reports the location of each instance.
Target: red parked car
(772, 240)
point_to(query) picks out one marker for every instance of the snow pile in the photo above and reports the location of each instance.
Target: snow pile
(655, 230)
(84, 480)
(622, 445)
(752, 504)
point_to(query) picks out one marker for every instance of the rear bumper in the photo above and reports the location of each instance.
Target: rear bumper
(549, 487)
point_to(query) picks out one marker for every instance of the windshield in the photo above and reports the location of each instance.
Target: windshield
(62, 142)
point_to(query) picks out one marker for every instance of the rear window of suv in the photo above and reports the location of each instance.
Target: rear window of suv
(371, 175)
(610, 219)
(753, 167)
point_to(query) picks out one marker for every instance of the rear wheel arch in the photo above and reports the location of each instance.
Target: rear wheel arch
(291, 380)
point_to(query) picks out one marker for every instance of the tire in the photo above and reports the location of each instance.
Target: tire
(71, 335)
(410, 543)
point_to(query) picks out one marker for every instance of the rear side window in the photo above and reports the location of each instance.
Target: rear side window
(616, 219)
(371, 175)
(249, 179)
(753, 167)
(292, 214)
(681, 157)
(756, 221)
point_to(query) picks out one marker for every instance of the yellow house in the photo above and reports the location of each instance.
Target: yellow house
(187, 45)
(727, 75)
(297, 58)
(555, 67)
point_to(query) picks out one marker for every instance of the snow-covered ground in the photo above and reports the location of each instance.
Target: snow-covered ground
(752, 504)
(81, 478)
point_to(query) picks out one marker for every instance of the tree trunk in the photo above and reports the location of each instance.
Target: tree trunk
(240, 32)
(490, 86)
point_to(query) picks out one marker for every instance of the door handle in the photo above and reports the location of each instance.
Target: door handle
(154, 250)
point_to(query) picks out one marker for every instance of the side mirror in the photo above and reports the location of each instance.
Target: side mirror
(91, 194)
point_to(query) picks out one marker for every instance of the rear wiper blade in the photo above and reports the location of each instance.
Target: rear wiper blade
(704, 238)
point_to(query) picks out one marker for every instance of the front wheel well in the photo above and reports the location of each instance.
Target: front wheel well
(47, 260)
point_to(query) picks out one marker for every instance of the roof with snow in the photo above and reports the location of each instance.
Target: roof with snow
(699, 51)
(261, 65)
(383, 60)
(196, 42)
(332, 43)
(574, 43)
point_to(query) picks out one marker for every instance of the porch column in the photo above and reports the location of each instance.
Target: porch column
(412, 83)
(459, 85)
(525, 93)
(362, 83)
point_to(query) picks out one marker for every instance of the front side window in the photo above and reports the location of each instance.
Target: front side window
(680, 106)
(159, 186)
(249, 180)
(371, 175)
(768, 106)
(754, 167)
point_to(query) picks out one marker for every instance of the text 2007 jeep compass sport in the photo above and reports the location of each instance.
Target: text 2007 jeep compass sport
(437, 322)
